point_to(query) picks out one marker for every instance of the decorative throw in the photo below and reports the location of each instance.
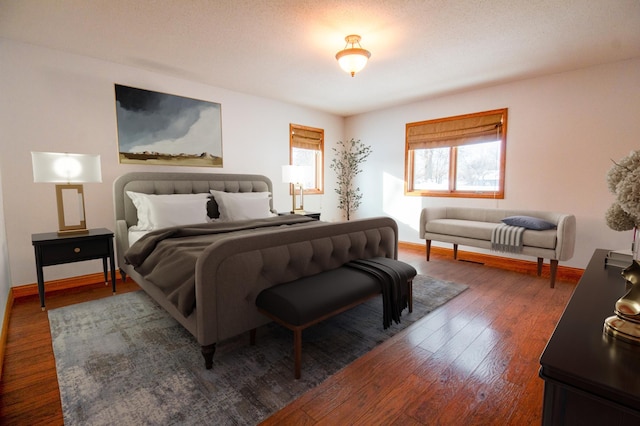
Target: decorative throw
(393, 276)
(168, 260)
(507, 238)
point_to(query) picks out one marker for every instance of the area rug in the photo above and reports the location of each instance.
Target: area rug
(124, 360)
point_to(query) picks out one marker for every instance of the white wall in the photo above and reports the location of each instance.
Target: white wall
(53, 101)
(563, 132)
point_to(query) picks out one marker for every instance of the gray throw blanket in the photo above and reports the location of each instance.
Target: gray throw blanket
(507, 238)
(167, 257)
(393, 277)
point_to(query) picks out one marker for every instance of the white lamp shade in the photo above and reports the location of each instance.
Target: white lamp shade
(292, 174)
(54, 167)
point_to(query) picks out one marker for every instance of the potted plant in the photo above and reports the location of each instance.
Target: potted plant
(346, 163)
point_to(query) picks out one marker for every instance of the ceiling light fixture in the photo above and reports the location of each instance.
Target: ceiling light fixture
(353, 59)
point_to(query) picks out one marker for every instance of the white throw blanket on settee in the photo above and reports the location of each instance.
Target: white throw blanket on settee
(507, 238)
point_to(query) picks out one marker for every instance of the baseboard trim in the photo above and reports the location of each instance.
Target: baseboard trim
(564, 273)
(57, 285)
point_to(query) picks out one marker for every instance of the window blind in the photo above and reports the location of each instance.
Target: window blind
(307, 138)
(461, 130)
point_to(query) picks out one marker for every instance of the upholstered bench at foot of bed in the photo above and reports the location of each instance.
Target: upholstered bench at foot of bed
(307, 301)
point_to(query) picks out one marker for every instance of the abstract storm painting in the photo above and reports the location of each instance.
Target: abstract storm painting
(158, 128)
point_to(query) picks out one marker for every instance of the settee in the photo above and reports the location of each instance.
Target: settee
(545, 235)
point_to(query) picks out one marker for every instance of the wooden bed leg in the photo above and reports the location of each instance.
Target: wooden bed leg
(455, 251)
(207, 353)
(540, 261)
(428, 249)
(252, 337)
(297, 352)
(554, 270)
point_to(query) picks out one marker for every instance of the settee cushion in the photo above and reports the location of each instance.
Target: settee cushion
(482, 231)
(462, 228)
(528, 222)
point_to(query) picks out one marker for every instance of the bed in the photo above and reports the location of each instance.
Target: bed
(229, 272)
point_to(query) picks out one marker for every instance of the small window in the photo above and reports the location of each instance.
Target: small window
(462, 156)
(307, 150)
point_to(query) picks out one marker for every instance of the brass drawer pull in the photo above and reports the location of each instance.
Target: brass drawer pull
(76, 250)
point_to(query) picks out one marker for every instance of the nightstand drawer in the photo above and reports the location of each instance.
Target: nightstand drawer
(74, 251)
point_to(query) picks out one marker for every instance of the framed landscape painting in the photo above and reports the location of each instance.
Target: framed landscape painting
(162, 129)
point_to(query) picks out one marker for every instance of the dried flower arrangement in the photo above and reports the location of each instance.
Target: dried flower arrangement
(623, 180)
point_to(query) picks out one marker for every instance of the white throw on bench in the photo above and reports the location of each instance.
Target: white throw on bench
(476, 227)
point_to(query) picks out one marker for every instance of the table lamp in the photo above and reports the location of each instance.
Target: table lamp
(293, 175)
(68, 172)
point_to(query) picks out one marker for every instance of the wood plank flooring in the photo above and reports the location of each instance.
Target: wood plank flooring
(474, 360)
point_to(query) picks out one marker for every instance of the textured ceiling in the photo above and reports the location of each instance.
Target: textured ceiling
(284, 49)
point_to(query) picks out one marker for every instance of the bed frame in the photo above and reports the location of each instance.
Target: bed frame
(232, 272)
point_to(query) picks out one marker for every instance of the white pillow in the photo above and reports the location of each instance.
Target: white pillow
(162, 211)
(242, 205)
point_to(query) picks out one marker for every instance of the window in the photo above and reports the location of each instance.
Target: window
(307, 150)
(462, 156)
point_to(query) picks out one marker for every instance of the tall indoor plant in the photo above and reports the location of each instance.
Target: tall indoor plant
(348, 157)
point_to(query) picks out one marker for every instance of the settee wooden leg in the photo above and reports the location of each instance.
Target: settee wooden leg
(554, 271)
(540, 261)
(297, 352)
(252, 337)
(428, 249)
(207, 353)
(455, 251)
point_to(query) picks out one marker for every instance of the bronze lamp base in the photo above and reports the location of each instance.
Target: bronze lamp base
(625, 324)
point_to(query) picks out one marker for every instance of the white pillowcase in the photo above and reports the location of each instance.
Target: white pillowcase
(242, 205)
(162, 211)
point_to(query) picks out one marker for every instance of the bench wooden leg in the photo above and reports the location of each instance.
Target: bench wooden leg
(554, 271)
(428, 249)
(410, 284)
(297, 352)
(455, 251)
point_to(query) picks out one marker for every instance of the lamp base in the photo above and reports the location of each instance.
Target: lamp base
(73, 232)
(622, 329)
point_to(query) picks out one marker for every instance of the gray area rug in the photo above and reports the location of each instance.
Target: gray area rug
(124, 360)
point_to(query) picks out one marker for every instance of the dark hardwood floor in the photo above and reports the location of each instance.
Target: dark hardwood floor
(473, 361)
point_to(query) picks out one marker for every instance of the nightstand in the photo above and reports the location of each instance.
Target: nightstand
(312, 215)
(53, 249)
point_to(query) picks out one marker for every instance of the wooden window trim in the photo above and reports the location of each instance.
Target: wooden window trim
(320, 164)
(451, 191)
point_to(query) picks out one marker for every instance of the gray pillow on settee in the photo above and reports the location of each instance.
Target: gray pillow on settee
(528, 222)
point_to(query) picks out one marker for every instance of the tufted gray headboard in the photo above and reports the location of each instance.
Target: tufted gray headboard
(181, 183)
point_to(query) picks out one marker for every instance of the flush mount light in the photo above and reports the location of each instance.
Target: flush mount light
(353, 59)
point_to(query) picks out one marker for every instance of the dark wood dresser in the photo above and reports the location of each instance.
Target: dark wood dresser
(590, 378)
